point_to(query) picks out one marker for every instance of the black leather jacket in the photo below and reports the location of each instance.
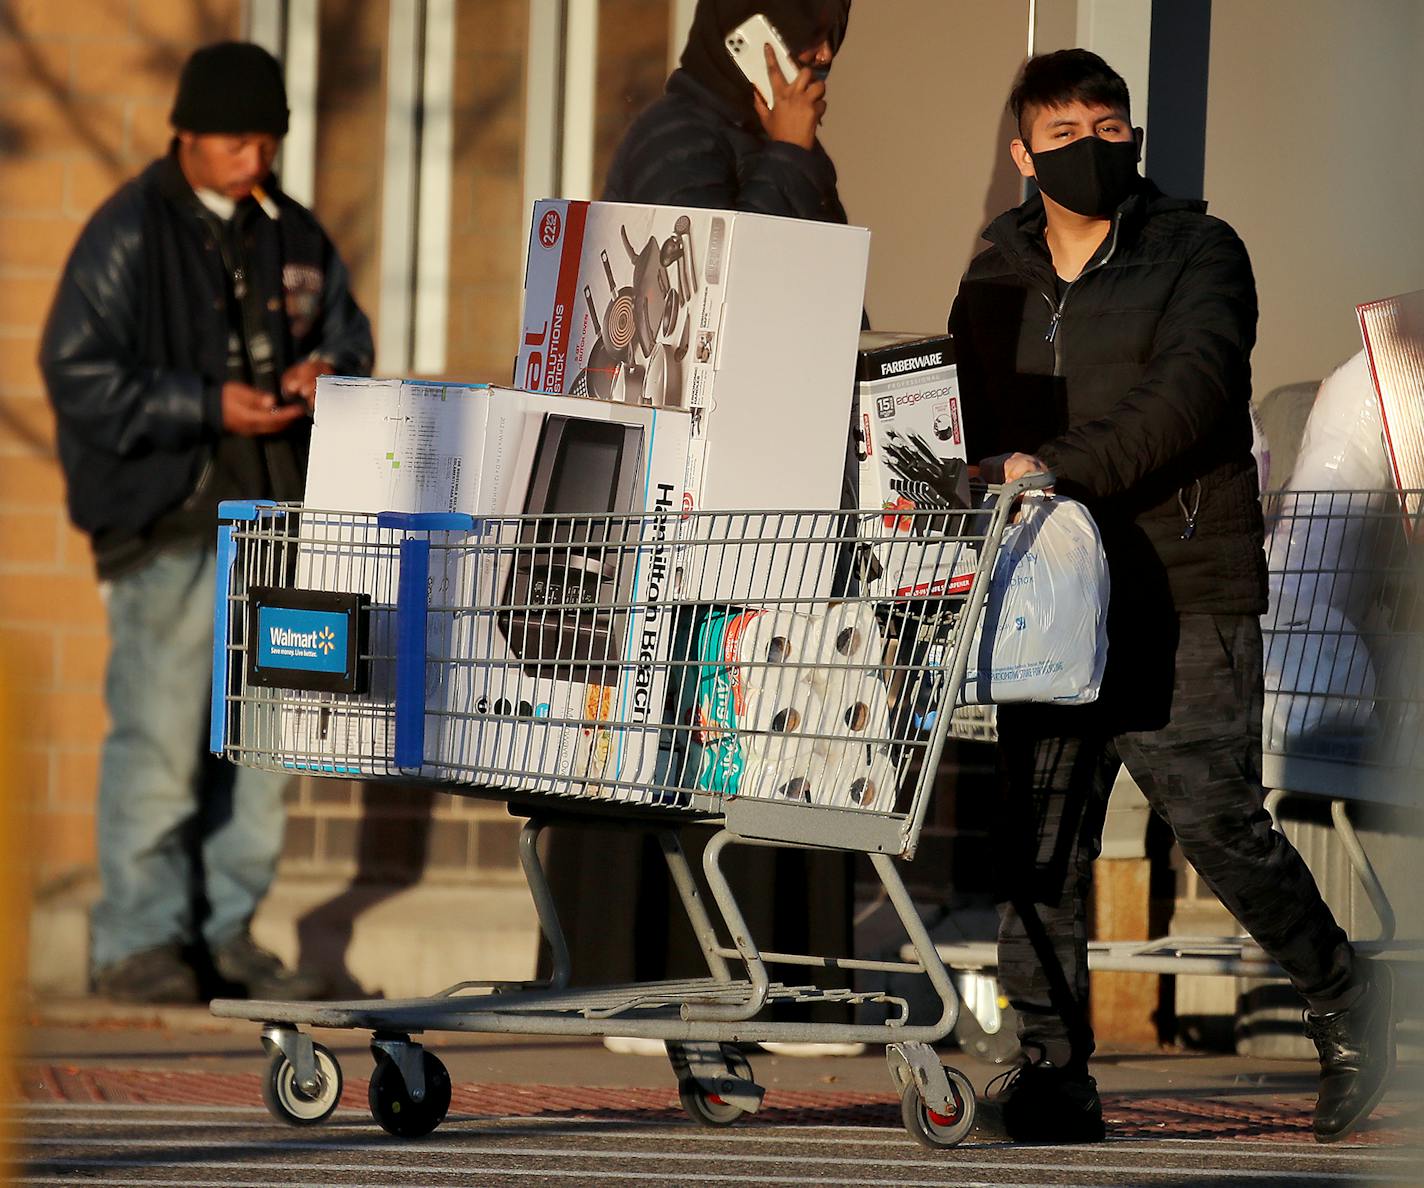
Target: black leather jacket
(135, 350)
(1134, 385)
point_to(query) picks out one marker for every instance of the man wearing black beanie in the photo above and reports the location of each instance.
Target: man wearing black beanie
(181, 355)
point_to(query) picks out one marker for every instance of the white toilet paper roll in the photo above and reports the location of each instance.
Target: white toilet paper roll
(800, 781)
(777, 724)
(857, 709)
(770, 640)
(860, 777)
(848, 633)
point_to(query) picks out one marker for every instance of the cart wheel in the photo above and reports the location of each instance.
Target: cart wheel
(285, 1099)
(392, 1107)
(935, 1130)
(707, 1108)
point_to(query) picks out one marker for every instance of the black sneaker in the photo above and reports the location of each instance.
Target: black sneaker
(1356, 1049)
(153, 977)
(1043, 1103)
(247, 970)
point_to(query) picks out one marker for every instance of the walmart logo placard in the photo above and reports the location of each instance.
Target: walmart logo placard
(307, 639)
(311, 640)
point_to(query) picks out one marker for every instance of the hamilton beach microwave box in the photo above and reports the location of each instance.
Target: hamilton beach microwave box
(747, 322)
(564, 648)
(910, 439)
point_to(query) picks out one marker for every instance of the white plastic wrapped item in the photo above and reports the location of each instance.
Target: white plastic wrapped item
(1324, 677)
(1043, 634)
(776, 723)
(1318, 554)
(799, 780)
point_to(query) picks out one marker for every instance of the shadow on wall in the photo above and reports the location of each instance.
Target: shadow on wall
(1005, 187)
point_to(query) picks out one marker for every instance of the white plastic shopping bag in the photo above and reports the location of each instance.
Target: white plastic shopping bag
(1043, 634)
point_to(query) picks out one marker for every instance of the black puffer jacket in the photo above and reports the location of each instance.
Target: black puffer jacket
(1134, 386)
(135, 350)
(693, 148)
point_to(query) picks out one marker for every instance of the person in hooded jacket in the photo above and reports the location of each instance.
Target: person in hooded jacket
(1105, 335)
(711, 141)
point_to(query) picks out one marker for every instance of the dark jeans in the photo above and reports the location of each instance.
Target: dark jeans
(1200, 770)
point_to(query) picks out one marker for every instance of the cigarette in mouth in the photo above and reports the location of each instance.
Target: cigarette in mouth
(269, 208)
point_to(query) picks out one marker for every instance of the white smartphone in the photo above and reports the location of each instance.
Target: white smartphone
(747, 44)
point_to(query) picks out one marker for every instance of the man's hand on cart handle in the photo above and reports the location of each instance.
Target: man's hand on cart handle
(1009, 468)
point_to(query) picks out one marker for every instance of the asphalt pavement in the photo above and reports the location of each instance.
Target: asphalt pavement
(135, 1097)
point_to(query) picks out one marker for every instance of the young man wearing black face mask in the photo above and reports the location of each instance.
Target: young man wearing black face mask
(1106, 336)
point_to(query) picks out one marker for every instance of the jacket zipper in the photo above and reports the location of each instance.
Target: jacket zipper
(1051, 336)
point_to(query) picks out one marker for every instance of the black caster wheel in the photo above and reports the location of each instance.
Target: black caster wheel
(707, 1109)
(288, 1102)
(392, 1106)
(935, 1130)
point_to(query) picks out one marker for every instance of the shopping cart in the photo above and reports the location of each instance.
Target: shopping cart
(549, 662)
(1344, 715)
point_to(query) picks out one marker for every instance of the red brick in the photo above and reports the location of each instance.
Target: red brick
(73, 717)
(27, 480)
(85, 18)
(34, 66)
(25, 300)
(83, 656)
(53, 125)
(64, 842)
(90, 182)
(29, 538)
(76, 553)
(27, 423)
(32, 771)
(19, 366)
(42, 598)
(164, 20)
(36, 241)
(74, 778)
(149, 131)
(29, 654)
(32, 186)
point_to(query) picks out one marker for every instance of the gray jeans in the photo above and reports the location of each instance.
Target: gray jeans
(1201, 772)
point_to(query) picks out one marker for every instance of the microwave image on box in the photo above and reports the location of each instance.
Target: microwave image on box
(585, 475)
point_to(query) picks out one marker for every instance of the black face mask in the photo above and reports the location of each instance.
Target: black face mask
(1090, 177)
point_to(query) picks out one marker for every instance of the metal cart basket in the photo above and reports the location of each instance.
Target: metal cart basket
(551, 662)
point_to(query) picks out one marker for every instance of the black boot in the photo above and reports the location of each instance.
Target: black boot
(1356, 1057)
(1043, 1103)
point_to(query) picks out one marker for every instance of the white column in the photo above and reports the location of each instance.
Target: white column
(262, 22)
(300, 68)
(398, 194)
(543, 136)
(580, 92)
(1120, 32)
(432, 264)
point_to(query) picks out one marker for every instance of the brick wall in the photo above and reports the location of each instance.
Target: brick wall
(88, 87)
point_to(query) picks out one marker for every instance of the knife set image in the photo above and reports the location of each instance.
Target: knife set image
(645, 330)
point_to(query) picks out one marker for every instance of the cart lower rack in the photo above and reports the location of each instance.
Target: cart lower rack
(552, 663)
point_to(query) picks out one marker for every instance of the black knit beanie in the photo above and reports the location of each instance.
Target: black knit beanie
(232, 87)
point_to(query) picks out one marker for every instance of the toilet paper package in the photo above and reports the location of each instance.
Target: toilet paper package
(857, 776)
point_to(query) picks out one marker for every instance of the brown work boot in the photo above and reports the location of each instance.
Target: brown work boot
(250, 971)
(152, 977)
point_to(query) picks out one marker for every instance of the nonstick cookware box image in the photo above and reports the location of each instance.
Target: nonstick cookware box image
(748, 322)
